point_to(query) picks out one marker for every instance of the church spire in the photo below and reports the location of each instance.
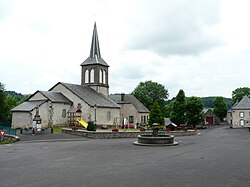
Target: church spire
(95, 69)
(95, 49)
(95, 54)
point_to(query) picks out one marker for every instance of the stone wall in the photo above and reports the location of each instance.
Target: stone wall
(122, 134)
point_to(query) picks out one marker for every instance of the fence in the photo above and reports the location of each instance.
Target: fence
(7, 127)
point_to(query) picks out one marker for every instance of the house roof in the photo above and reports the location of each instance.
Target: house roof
(90, 96)
(55, 97)
(129, 99)
(205, 110)
(95, 53)
(28, 106)
(243, 104)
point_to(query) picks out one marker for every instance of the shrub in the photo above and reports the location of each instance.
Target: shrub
(91, 126)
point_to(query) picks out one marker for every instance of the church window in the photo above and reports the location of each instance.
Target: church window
(79, 106)
(242, 122)
(108, 115)
(87, 76)
(64, 113)
(104, 77)
(131, 119)
(100, 76)
(242, 114)
(92, 76)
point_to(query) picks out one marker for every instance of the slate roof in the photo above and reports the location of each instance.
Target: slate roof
(55, 97)
(205, 110)
(243, 104)
(89, 95)
(95, 53)
(129, 99)
(28, 106)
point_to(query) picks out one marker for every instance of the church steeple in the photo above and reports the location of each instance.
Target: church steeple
(95, 49)
(94, 68)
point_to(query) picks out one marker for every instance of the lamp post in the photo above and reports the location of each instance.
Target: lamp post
(95, 107)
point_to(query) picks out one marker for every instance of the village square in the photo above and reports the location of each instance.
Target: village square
(81, 135)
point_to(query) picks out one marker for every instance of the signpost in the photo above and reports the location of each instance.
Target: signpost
(2, 133)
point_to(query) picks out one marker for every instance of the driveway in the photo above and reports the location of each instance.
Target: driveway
(217, 157)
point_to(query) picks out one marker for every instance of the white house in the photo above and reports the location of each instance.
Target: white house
(239, 115)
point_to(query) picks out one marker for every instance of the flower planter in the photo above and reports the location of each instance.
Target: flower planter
(142, 129)
(115, 130)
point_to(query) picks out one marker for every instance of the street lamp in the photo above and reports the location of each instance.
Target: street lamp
(95, 107)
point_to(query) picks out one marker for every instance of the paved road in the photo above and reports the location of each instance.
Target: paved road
(27, 138)
(218, 157)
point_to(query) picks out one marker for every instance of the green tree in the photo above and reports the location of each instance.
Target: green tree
(155, 114)
(239, 93)
(3, 109)
(220, 107)
(148, 92)
(194, 107)
(178, 111)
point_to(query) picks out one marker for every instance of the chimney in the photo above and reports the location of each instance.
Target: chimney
(122, 96)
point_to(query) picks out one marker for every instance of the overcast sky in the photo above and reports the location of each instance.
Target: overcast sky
(200, 46)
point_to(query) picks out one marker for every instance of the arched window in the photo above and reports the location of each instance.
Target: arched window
(100, 76)
(108, 115)
(87, 76)
(104, 77)
(92, 76)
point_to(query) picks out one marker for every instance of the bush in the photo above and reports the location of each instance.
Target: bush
(91, 126)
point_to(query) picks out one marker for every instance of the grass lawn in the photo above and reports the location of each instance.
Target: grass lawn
(7, 142)
(57, 129)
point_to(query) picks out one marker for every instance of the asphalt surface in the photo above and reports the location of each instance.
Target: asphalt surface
(217, 157)
(29, 138)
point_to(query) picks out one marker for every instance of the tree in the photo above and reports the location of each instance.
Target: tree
(194, 107)
(220, 107)
(155, 114)
(239, 93)
(148, 92)
(178, 112)
(3, 109)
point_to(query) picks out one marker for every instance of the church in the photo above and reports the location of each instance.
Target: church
(91, 98)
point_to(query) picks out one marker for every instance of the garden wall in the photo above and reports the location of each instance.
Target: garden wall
(122, 134)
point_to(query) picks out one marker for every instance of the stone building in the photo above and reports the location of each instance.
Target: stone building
(239, 115)
(209, 117)
(91, 97)
(132, 110)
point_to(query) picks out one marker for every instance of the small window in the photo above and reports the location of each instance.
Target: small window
(64, 113)
(242, 122)
(79, 106)
(131, 119)
(92, 76)
(87, 76)
(108, 115)
(242, 114)
(104, 77)
(100, 76)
